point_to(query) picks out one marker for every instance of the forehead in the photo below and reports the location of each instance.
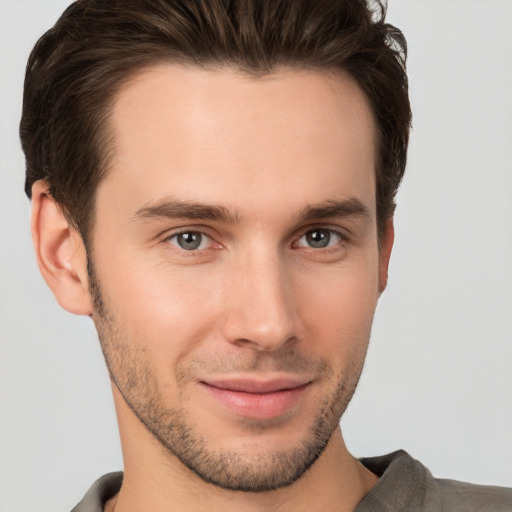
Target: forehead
(222, 136)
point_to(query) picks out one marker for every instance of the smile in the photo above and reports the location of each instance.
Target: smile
(257, 399)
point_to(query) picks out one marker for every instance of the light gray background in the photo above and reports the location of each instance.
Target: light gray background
(438, 378)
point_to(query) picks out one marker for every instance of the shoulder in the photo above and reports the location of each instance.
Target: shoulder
(100, 492)
(405, 484)
(454, 495)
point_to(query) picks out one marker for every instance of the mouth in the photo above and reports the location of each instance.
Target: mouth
(257, 399)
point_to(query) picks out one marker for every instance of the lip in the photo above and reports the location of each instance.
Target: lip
(257, 399)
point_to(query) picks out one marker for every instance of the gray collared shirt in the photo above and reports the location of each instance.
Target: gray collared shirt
(405, 485)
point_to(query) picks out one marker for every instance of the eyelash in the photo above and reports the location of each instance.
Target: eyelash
(185, 252)
(342, 239)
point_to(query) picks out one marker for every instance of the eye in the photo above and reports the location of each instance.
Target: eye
(319, 238)
(190, 240)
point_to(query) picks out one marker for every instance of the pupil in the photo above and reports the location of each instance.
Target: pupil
(189, 241)
(319, 238)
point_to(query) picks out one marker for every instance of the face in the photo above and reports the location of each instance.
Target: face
(235, 265)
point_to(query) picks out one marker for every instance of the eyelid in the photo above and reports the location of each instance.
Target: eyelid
(212, 244)
(337, 243)
(201, 229)
(204, 239)
(338, 230)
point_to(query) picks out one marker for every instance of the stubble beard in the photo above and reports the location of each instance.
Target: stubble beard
(131, 372)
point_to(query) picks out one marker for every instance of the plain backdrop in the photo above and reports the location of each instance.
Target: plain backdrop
(438, 379)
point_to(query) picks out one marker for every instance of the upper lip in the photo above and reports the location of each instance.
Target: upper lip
(248, 385)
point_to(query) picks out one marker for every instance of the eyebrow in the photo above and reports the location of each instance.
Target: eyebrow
(350, 207)
(176, 209)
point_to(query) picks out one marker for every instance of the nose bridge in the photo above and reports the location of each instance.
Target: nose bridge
(261, 312)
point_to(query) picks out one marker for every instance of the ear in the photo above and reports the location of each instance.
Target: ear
(60, 252)
(386, 245)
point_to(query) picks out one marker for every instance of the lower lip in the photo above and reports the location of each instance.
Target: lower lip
(256, 405)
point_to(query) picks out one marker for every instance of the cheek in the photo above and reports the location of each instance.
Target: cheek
(172, 311)
(339, 304)
(167, 311)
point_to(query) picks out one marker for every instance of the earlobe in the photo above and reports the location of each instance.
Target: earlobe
(60, 252)
(386, 246)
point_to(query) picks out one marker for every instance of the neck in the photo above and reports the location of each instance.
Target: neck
(335, 482)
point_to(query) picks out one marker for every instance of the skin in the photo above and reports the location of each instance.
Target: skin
(270, 165)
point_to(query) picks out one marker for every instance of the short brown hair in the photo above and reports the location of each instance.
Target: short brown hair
(76, 68)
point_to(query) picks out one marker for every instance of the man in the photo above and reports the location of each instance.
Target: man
(213, 183)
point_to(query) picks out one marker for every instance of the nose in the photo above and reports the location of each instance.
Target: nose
(260, 303)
